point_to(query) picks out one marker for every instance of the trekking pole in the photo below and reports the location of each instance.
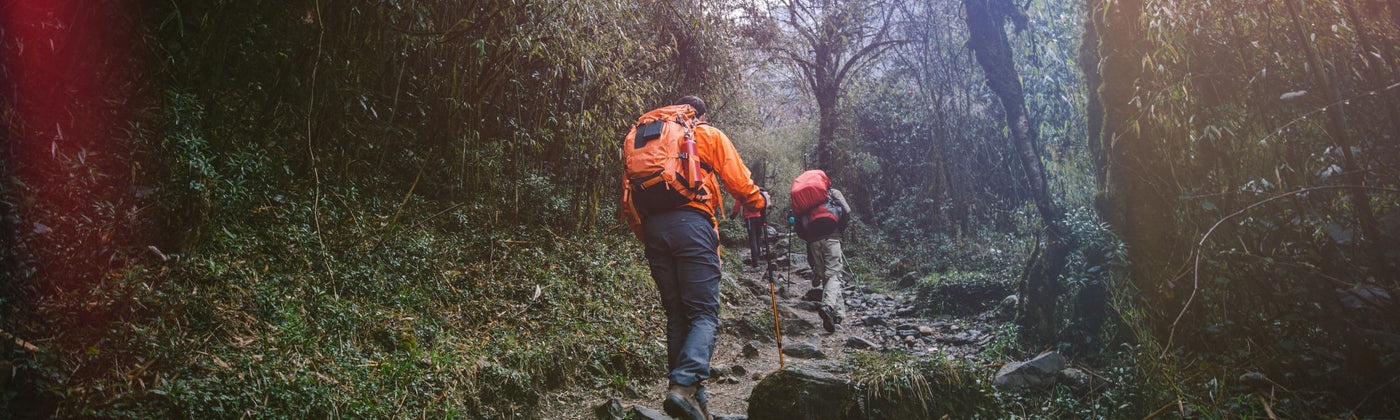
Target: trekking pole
(772, 293)
(755, 221)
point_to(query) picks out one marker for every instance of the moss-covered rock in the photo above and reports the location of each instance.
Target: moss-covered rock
(871, 386)
(961, 294)
(803, 392)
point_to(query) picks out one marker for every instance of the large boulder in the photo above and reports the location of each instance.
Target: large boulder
(824, 390)
(1038, 373)
(812, 392)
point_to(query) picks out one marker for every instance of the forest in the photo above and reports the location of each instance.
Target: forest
(403, 208)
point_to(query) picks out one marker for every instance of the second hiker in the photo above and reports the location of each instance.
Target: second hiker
(820, 214)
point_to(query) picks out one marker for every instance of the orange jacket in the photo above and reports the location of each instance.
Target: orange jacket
(715, 150)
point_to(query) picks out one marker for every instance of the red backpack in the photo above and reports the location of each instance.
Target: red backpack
(661, 172)
(817, 215)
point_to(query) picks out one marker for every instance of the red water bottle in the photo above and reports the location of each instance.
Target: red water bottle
(691, 162)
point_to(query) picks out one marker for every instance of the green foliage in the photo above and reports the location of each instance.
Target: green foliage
(1121, 389)
(443, 320)
(368, 209)
(1232, 107)
(277, 209)
(897, 385)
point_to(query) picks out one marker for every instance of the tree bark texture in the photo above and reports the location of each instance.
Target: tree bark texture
(1040, 285)
(1138, 193)
(1093, 110)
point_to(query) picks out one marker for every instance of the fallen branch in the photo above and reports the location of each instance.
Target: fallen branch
(19, 341)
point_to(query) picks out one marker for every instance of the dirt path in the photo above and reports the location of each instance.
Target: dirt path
(883, 319)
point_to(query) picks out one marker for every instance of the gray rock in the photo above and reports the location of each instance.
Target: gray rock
(1074, 377)
(871, 321)
(906, 330)
(719, 371)
(1037, 373)
(804, 350)
(860, 343)
(610, 410)
(645, 413)
(806, 305)
(1006, 310)
(739, 370)
(730, 417)
(925, 330)
(801, 392)
(907, 311)
(751, 349)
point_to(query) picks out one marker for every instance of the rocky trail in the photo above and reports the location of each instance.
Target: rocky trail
(746, 353)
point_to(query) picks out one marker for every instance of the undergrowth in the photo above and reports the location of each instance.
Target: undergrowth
(462, 315)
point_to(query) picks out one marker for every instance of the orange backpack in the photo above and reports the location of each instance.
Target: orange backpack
(662, 171)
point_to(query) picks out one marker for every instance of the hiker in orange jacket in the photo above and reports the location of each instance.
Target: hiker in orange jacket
(682, 249)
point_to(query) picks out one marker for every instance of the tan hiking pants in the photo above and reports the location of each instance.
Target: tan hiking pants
(825, 258)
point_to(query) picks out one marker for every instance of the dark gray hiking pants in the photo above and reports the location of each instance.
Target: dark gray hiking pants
(682, 248)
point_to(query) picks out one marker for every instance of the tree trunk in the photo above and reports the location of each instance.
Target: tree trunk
(1093, 111)
(1138, 194)
(826, 129)
(1040, 283)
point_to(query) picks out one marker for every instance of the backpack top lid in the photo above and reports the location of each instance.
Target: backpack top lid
(652, 145)
(809, 190)
(668, 113)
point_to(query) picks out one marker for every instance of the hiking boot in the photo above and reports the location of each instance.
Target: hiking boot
(680, 403)
(705, 412)
(829, 318)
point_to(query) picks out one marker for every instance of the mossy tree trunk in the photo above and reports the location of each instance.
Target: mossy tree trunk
(1040, 286)
(1137, 194)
